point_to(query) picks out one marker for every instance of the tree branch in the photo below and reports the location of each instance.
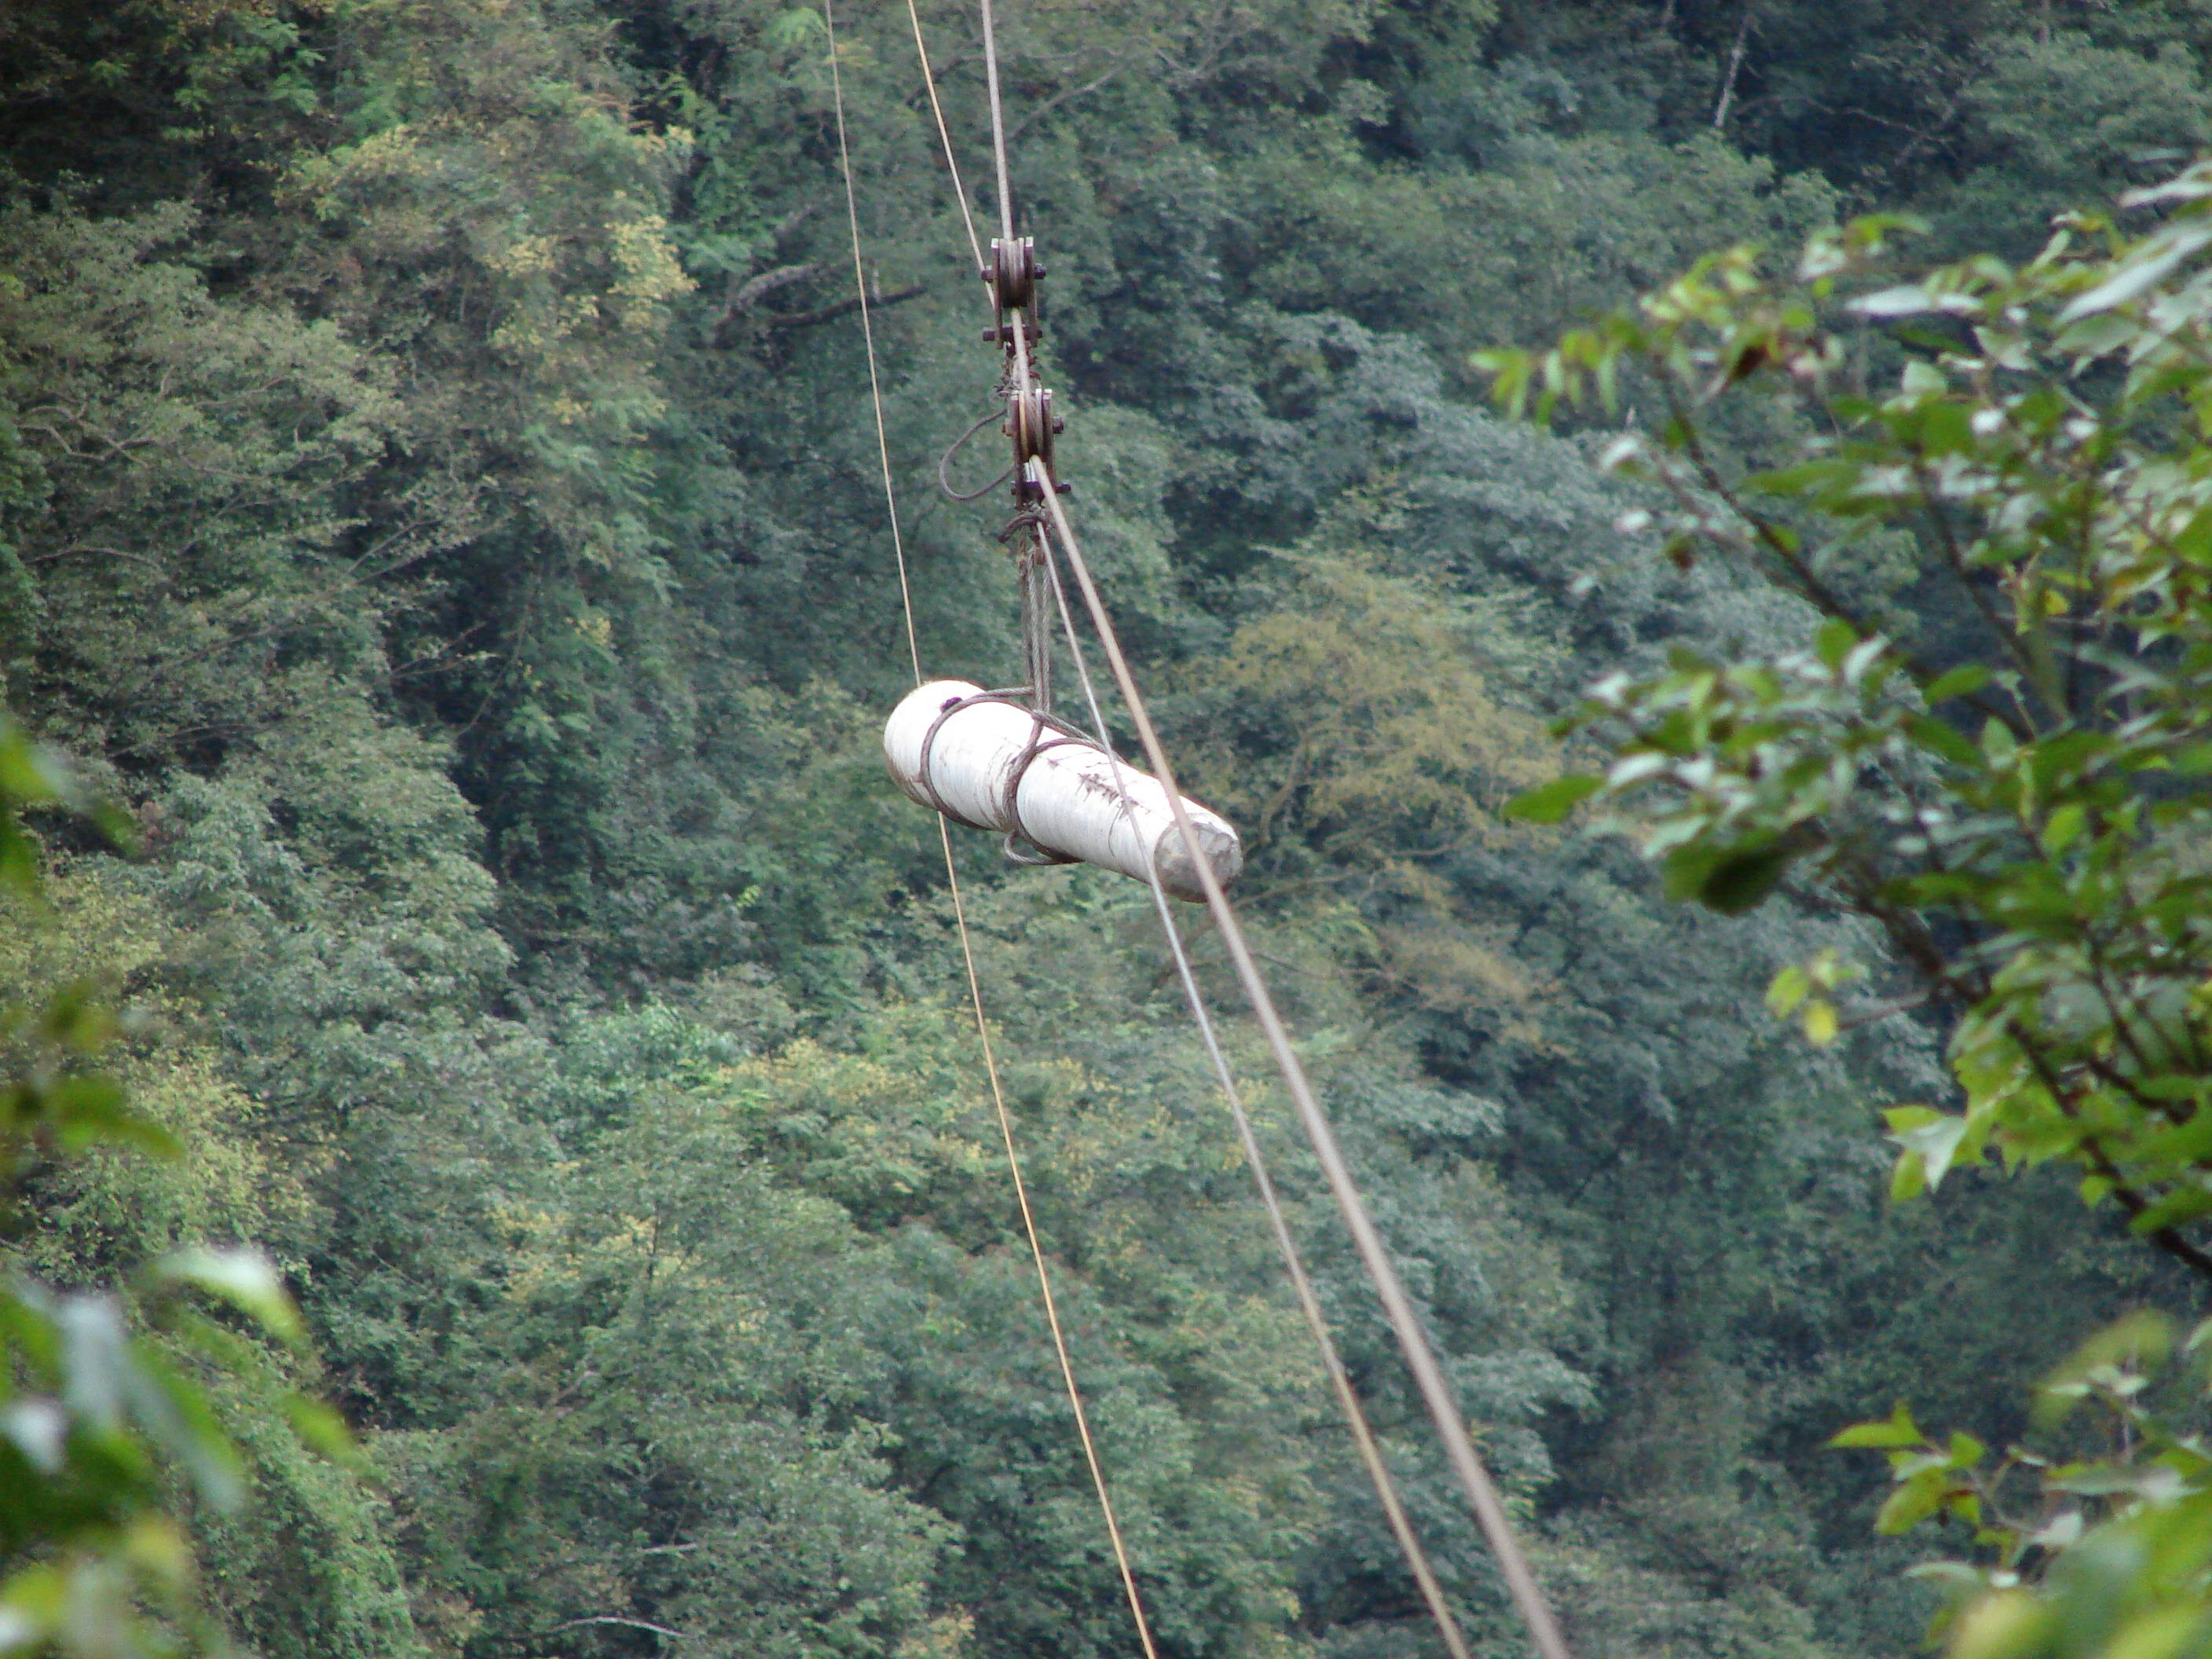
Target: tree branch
(1057, 98)
(758, 288)
(824, 313)
(627, 1623)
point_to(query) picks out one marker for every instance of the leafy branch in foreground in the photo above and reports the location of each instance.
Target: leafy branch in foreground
(2016, 798)
(100, 1416)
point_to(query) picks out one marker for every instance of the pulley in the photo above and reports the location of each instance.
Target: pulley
(1013, 272)
(1031, 424)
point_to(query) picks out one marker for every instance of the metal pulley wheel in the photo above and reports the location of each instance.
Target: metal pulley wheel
(1013, 272)
(1031, 424)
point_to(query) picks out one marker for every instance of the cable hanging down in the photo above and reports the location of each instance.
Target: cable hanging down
(1362, 1435)
(953, 883)
(1012, 271)
(1404, 1323)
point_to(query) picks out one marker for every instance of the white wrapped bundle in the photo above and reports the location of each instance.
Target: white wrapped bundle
(977, 764)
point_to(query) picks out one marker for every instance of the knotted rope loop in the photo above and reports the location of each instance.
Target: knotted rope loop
(945, 463)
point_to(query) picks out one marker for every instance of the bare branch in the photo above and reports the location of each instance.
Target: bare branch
(824, 313)
(627, 1623)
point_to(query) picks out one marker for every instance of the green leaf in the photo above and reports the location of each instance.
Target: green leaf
(1934, 1142)
(1728, 882)
(1896, 1430)
(1958, 682)
(2143, 1340)
(2063, 828)
(245, 1279)
(1834, 641)
(1549, 803)
(1944, 740)
(91, 1111)
(2184, 1204)
(2162, 1633)
(2148, 265)
(1790, 987)
(322, 1429)
(1903, 300)
(2010, 1624)
(1908, 1178)
(1912, 1502)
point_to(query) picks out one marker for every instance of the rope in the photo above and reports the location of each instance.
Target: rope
(1442, 1408)
(944, 136)
(1036, 624)
(959, 907)
(1010, 792)
(1370, 1454)
(1428, 1376)
(998, 123)
(1024, 377)
(868, 337)
(944, 461)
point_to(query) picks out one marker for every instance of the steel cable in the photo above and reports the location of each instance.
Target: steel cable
(1428, 1375)
(1362, 1435)
(943, 135)
(959, 907)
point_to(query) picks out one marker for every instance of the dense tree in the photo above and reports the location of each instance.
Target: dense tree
(438, 506)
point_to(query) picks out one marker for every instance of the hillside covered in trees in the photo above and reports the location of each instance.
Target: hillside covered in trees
(439, 511)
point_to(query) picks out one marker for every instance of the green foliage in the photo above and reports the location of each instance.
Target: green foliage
(439, 498)
(102, 1413)
(134, 405)
(2015, 815)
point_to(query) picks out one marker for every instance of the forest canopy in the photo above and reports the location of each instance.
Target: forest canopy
(494, 1164)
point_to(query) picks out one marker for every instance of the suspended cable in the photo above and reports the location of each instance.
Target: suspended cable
(944, 135)
(1031, 427)
(868, 338)
(1043, 494)
(959, 908)
(1428, 1376)
(1018, 335)
(1370, 1453)
(998, 122)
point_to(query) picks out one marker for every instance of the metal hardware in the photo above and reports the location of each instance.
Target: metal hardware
(1013, 272)
(1031, 423)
